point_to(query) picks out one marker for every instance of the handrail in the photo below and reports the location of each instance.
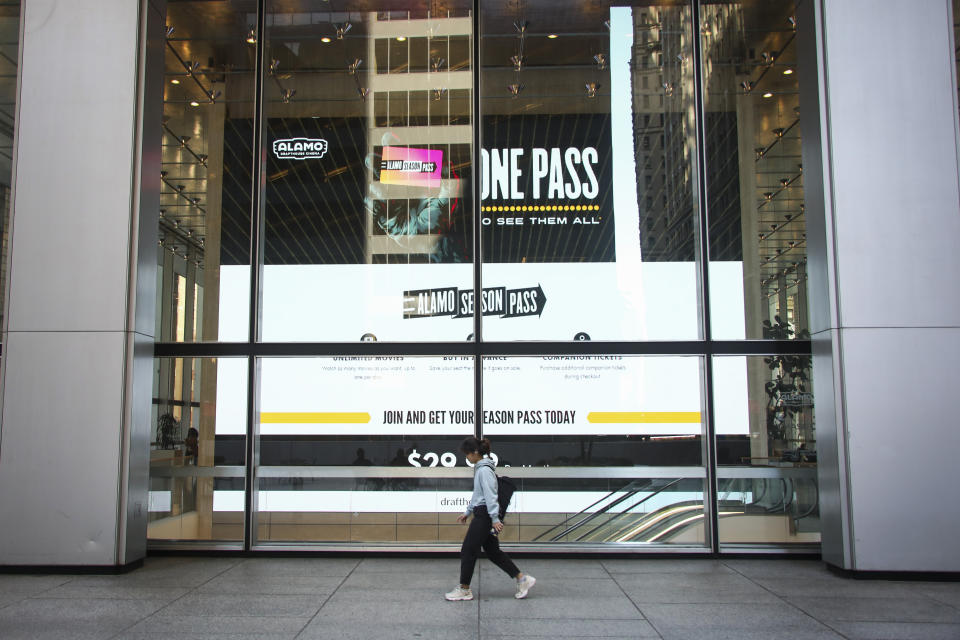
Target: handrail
(623, 513)
(585, 509)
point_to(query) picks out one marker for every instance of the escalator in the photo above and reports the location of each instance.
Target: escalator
(625, 515)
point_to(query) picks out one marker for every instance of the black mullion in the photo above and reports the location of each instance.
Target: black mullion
(704, 258)
(256, 261)
(477, 121)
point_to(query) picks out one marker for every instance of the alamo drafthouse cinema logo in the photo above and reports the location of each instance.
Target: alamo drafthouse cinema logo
(299, 148)
(458, 303)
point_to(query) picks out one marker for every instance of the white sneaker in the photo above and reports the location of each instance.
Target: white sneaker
(524, 585)
(460, 594)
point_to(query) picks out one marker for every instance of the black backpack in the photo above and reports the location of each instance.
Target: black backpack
(505, 489)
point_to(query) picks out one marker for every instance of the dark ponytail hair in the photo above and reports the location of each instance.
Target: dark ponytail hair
(472, 445)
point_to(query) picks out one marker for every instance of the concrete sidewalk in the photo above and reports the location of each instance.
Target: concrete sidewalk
(187, 598)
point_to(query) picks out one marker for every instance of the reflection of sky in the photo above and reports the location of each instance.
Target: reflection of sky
(626, 214)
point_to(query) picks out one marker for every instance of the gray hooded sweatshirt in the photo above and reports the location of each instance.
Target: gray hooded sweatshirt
(485, 489)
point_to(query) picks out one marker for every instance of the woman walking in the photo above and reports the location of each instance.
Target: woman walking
(485, 526)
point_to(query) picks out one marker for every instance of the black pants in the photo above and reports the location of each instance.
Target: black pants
(479, 536)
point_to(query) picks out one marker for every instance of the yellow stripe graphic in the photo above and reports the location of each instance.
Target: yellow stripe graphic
(658, 417)
(316, 417)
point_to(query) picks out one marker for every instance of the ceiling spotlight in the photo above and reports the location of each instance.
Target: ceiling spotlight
(213, 95)
(517, 62)
(163, 212)
(552, 36)
(778, 132)
(180, 189)
(759, 151)
(170, 31)
(768, 95)
(194, 103)
(747, 86)
(274, 65)
(768, 195)
(342, 29)
(784, 182)
(194, 201)
(788, 72)
(592, 88)
(439, 93)
(202, 159)
(364, 92)
(788, 217)
(353, 66)
(762, 236)
(793, 22)
(175, 81)
(287, 95)
(521, 26)
(325, 39)
(767, 58)
(437, 63)
(191, 66)
(252, 36)
(163, 174)
(184, 140)
(514, 89)
(401, 38)
(601, 61)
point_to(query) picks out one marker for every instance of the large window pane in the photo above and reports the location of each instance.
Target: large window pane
(594, 410)
(198, 449)
(356, 448)
(754, 170)
(766, 449)
(368, 228)
(9, 53)
(587, 176)
(203, 279)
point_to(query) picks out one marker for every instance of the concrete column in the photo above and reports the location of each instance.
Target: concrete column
(880, 155)
(78, 335)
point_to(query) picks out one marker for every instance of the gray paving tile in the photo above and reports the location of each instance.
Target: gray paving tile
(320, 629)
(548, 568)
(817, 585)
(763, 568)
(439, 582)
(547, 605)
(173, 625)
(545, 628)
(189, 572)
(734, 622)
(116, 591)
(897, 630)
(345, 608)
(287, 567)
(241, 605)
(23, 585)
(665, 565)
(163, 635)
(274, 585)
(853, 609)
(420, 566)
(692, 588)
(73, 616)
(946, 592)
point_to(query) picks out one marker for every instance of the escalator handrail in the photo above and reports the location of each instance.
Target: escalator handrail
(630, 492)
(631, 507)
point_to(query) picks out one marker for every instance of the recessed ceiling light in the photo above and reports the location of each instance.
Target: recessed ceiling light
(768, 95)
(787, 72)
(552, 36)
(174, 81)
(194, 103)
(324, 39)
(401, 38)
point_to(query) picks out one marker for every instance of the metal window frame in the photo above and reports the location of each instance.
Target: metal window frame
(705, 348)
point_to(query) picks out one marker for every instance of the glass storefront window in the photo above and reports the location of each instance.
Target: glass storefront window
(757, 226)
(9, 54)
(587, 172)
(766, 449)
(594, 410)
(203, 275)
(374, 220)
(350, 447)
(197, 455)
